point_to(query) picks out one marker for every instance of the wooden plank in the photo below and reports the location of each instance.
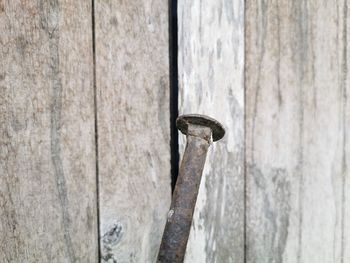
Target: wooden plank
(47, 147)
(298, 120)
(211, 53)
(133, 127)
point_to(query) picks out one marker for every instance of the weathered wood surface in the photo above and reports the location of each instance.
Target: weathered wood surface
(211, 49)
(298, 123)
(132, 71)
(47, 148)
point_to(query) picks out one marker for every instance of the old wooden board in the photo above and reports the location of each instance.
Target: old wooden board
(47, 147)
(298, 123)
(211, 48)
(132, 72)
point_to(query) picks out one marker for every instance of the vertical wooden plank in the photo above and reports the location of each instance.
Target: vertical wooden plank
(298, 118)
(211, 47)
(47, 147)
(133, 127)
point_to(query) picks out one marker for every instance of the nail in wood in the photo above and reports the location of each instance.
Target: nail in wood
(199, 130)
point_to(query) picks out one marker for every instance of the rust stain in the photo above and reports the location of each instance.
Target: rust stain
(2, 6)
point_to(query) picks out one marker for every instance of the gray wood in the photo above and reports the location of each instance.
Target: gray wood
(47, 147)
(211, 49)
(132, 71)
(298, 120)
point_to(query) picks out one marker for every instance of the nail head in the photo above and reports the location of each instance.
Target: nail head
(216, 127)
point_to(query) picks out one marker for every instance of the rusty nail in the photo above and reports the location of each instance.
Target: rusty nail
(199, 130)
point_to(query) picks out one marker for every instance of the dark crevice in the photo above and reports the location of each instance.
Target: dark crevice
(96, 128)
(245, 169)
(174, 91)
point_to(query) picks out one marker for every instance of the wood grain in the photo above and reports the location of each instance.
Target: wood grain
(47, 147)
(211, 49)
(298, 122)
(132, 72)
